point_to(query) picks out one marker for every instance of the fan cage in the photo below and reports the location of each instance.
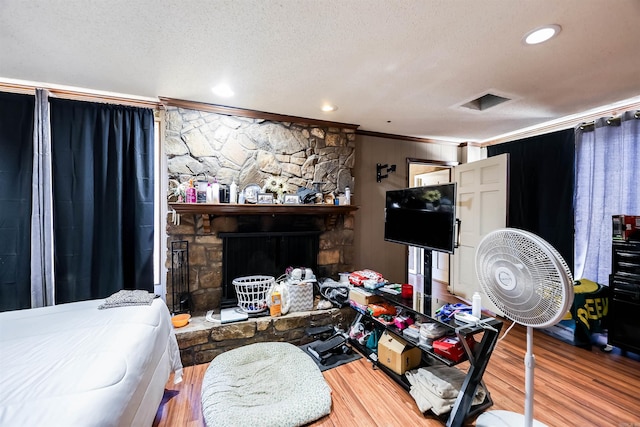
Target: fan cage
(525, 277)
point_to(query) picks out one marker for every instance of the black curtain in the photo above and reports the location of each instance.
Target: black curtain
(541, 183)
(102, 197)
(16, 159)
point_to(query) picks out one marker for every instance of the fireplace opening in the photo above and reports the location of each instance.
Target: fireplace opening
(264, 253)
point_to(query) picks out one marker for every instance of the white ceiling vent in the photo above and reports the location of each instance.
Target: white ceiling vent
(485, 102)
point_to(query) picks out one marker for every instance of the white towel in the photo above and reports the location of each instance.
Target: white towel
(436, 388)
(126, 297)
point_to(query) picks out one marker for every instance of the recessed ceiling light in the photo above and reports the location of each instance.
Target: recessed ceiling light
(541, 34)
(327, 108)
(223, 90)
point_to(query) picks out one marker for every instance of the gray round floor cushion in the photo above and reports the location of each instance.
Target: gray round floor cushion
(264, 384)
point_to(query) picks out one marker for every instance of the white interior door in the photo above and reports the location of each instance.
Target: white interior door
(481, 206)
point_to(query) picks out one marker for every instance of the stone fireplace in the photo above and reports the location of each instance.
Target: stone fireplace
(269, 253)
(209, 285)
(207, 145)
(201, 341)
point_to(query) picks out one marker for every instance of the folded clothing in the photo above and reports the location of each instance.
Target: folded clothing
(436, 388)
(126, 297)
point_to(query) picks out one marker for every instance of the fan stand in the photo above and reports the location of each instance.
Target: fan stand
(531, 281)
(499, 418)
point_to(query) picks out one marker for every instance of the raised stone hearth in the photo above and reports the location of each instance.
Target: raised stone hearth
(201, 341)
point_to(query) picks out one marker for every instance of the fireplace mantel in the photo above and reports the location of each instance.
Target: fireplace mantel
(226, 209)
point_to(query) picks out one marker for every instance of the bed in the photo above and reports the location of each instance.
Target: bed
(75, 365)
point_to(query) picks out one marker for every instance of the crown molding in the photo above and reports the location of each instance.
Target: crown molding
(405, 138)
(254, 114)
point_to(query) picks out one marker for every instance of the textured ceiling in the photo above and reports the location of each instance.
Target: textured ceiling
(401, 67)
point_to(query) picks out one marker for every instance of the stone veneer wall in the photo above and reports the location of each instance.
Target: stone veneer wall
(251, 151)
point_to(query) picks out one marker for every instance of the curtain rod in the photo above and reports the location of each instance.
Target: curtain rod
(611, 121)
(566, 123)
(79, 95)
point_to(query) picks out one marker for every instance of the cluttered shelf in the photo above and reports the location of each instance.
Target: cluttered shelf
(399, 346)
(398, 332)
(445, 317)
(443, 326)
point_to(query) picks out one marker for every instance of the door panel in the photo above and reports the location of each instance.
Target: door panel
(481, 206)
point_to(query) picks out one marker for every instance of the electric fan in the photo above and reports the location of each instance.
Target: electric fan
(526, 278)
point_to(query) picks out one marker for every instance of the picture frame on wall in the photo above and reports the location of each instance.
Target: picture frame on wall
(291, 199)
(265, 198)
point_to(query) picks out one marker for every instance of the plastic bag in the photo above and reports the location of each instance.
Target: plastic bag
(357, 278)
(337, 293)
(381, 308)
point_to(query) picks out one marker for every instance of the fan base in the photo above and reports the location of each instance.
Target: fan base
(504, 419)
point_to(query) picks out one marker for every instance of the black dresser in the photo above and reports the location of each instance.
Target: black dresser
(624, 306)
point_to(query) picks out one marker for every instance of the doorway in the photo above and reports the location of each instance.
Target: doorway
(423, 172)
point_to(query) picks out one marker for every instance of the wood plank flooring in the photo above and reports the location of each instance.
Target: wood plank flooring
(573, 387)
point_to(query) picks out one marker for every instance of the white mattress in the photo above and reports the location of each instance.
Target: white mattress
(75, 365)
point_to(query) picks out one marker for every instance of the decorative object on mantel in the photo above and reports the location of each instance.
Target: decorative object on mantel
(251, 192)
(276, 185)
(329, 199)
(291, 199)
(265, 198)
(318, 188)
(177, 191)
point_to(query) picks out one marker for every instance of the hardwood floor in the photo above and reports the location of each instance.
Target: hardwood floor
(573, 387)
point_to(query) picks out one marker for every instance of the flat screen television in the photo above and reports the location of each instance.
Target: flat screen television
(422, 216)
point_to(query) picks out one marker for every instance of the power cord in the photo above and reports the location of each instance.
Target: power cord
(513, 323)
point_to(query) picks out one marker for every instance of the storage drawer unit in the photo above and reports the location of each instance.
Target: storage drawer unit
(624, 282)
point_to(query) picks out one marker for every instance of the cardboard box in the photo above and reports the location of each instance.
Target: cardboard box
(397, 355)
(363, 297)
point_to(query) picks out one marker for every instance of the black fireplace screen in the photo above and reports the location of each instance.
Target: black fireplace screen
(180, 277)
(264, 253)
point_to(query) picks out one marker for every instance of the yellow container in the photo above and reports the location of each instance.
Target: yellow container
(276, 304)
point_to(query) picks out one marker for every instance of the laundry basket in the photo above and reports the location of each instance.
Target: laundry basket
(252, 292)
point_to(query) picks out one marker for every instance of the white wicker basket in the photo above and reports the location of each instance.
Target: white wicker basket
(252, 292)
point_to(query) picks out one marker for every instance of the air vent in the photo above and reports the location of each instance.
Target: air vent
(485, 102)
